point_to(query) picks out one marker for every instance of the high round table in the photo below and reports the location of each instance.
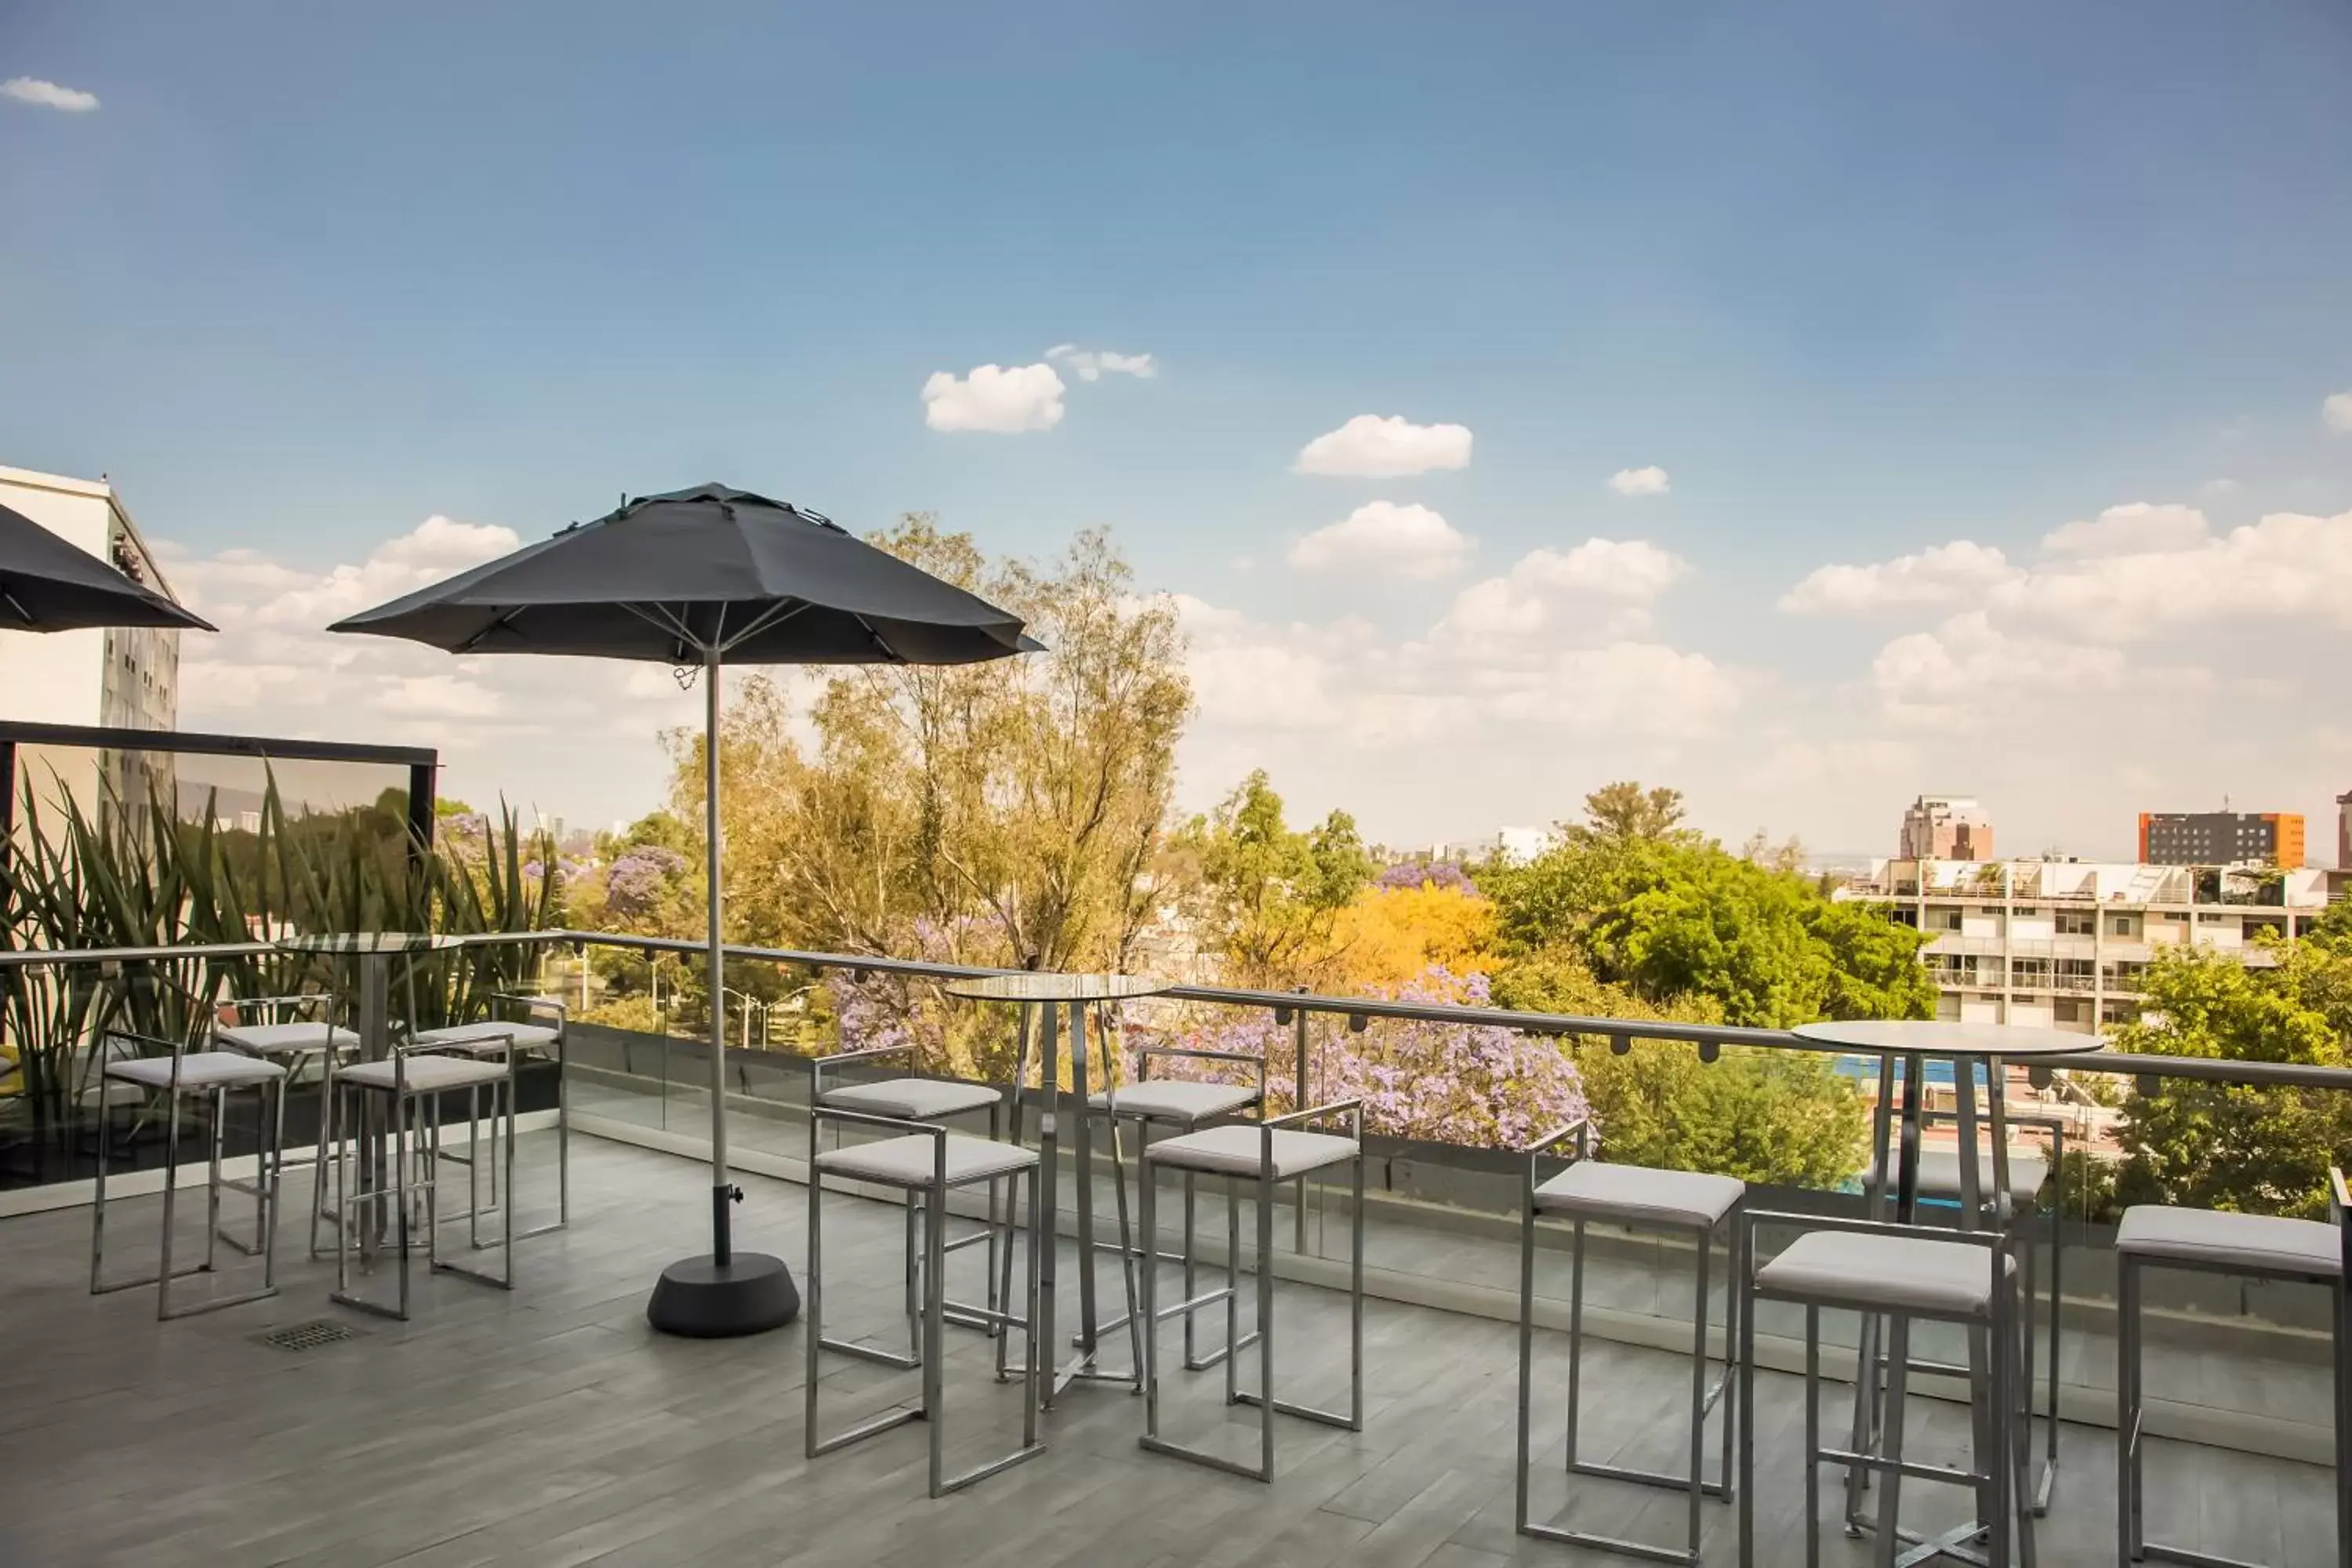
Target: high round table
(1966, 1046)
(1041, 999)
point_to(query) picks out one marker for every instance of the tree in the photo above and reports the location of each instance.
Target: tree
(1782, 1116)
(1624, 812)
(1389, 937)
(1009, 809)
(2229, 1146)
(1671, 915)
(1485, 1085)
(1268, 896)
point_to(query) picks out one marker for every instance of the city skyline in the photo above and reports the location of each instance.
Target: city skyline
(1699, 399)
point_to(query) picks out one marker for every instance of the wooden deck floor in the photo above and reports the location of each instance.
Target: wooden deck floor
(551, 1427)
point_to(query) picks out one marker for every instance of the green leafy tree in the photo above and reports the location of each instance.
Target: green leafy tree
(1782, 1116)
(1625, 813)
(1269, 895)
(2229, 1146)
(1667, 914)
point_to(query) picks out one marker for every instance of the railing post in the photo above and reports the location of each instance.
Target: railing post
(1306, 1095)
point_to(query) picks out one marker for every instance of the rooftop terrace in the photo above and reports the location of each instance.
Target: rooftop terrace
(553, 1426)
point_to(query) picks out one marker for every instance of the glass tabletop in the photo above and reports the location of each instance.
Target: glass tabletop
(368, 942)
(1055, 987)
(1923, 1037)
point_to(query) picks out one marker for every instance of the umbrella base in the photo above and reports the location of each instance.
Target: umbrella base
(702, 1299)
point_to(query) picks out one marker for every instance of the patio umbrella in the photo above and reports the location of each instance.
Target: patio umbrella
(707, 577)
(48, 585)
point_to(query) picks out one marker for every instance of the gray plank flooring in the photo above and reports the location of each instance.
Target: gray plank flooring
(552, 1427)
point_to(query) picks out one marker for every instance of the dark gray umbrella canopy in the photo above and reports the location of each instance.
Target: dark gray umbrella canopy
(708, 576)
(673, 577)
(48, 585)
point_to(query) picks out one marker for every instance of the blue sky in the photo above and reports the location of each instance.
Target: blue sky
(1863, 279)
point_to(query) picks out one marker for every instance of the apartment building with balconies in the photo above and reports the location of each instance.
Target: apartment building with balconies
(2064, 943)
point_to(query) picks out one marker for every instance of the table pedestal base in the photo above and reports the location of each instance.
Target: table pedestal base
(702, 1299)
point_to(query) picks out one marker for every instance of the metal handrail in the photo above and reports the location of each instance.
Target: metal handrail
(2284, 1075)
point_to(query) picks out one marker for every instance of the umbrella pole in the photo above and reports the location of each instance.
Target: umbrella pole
(722, 1189)
(724, 1293)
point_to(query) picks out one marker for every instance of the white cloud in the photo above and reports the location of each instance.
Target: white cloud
(1940, 574)
(1006, 400)
(1381, 536)
(2286, 568)
(48, 94)
(1650, 481)
(1603, 587)
(1967, 668)
(2130, 529)
(2337, 412)
(1554, 648)
(1373, 447)
(1093, 364)
(440, 697)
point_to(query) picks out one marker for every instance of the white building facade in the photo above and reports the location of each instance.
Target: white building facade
(110, 677)
(2064, 943)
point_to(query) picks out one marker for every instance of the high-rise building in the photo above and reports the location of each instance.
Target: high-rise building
(2220, 838)
(1946, 827)
(2343, 831)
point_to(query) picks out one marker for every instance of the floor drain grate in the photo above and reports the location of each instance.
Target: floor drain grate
(308, 1336)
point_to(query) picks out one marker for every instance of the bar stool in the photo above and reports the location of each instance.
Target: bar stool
(921, 1102)
(1181, 1104)
(543, 1030)
(927, 1162)
(407, 1086)
(1689, 1202)
(297, 1044)
(2018, 1214)
(1268, 1153)
(1905, 1272)
(210, 1078)
(2245, 1247)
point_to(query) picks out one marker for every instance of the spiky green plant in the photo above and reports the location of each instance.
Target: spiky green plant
(139, 877)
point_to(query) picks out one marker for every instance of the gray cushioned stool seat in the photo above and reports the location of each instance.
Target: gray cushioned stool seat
(425, 1074)
(1939, 1174)
(1176, 1099)
(1636, 1194)
(198, 1069)
(489, 1036)
(1885, 1273)
(1240, 1151)
(2207, 1237)
(284, 1039)
(911, 1161)
(912, 1099)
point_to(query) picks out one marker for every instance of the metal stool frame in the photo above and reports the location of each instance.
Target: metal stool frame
(273, 1010)
(2131, 1524)
(1871, 1361)
(1262, 1336)
(414, 1133)
(2000, 1463)
(1187, 1256)
(932, 1411)
(1704, 1397)
(1004, 1204)
(560, 1053)
(271, 1092)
